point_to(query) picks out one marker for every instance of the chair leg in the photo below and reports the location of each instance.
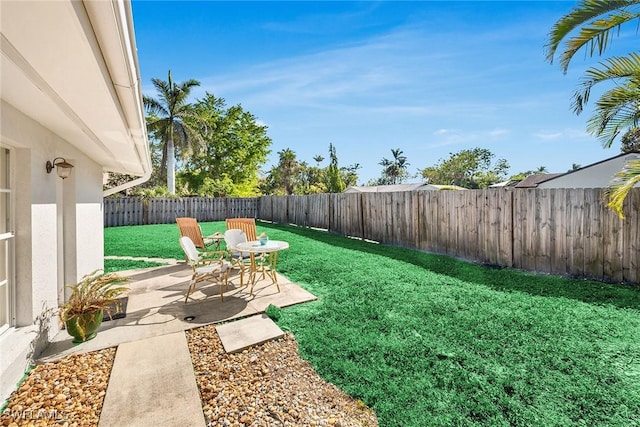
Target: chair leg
(224, 282)
(192, 285)
(242, 268)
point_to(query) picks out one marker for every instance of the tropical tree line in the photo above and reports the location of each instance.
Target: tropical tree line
(293, 176)
(469, 168)
(204, 148)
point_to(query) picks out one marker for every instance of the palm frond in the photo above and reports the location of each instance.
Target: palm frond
(622, 183)
(613, 69)
(616, 110)
(154, 106)
(596, 33)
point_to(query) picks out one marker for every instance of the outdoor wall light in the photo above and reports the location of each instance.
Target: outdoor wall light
(63, 168)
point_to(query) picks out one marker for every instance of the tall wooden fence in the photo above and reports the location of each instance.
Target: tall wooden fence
(134, 211)
(557, 231)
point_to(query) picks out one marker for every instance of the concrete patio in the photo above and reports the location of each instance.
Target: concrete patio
(153, 362)
(156, 307)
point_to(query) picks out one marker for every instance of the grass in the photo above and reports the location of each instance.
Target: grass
(113, 265)
(428, 340)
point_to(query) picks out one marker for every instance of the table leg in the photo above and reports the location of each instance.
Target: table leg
(265, 267)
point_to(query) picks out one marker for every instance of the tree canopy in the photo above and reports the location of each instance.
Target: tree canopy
(292, 176)
(235, 147)
(630, 141)
(470, 168)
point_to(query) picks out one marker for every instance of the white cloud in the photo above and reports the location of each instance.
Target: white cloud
(564, 134)
(497, 133)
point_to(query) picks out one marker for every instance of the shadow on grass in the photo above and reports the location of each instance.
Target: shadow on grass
(500, 279)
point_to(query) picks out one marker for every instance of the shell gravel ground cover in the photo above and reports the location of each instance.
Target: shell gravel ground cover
(267, 385)
(67, 392)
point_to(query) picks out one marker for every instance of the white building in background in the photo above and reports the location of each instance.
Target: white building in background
(70, 91)
(595, 175)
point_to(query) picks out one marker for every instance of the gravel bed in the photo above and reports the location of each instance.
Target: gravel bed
(267, 385)
(67, 392)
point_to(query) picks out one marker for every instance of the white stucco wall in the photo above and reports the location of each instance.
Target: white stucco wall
(58, 231)
(89, 220)
(61, 214)
(594, 176)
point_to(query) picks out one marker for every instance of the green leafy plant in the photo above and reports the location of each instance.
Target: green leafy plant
(96, 291)
(273, 312)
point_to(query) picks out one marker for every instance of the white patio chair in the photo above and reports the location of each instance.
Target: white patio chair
(239, 260)
(214, 268)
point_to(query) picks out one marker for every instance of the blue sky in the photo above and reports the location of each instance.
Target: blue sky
(431, 78)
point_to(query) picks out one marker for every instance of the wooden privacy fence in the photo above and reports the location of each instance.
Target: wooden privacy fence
(557, 231)
(134, 211)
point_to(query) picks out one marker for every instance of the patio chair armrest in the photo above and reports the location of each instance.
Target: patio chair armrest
(211, 256)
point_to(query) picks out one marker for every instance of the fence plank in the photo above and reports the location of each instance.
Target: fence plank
(593, 243)
(318, 211)
(631, 247)
(483, 225)
(542, 231)
(280, 209)
(558, 232)
(374, 217)
(612, 242)
(470, 223)
(401, 219)
(578, 232)
(529, 229)
(505, 247)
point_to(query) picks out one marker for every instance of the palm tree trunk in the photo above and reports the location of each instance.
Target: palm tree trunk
(171, 166)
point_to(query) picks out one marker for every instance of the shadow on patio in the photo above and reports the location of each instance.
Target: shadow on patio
(156, 307)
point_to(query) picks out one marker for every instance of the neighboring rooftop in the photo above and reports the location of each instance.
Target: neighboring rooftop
(532, 181)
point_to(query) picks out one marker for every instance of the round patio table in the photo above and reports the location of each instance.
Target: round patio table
(266, 265)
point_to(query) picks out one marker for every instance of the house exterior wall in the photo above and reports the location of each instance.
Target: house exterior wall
(69, 87)
(58, 235)
(597, 175)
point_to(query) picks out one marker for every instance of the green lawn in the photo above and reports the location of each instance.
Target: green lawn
(428, 340)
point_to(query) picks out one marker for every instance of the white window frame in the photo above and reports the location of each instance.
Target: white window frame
(8, 239)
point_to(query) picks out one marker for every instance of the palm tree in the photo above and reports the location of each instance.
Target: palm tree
(174, 122)
(289, 170)
(541, 169)
(617, 109)
(394, 171)
(318, 159)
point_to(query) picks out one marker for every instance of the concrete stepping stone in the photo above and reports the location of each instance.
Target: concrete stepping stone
(152, 384)
(241, 334)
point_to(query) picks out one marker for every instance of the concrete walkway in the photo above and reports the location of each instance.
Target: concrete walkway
(148, 390)
(152, 380)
